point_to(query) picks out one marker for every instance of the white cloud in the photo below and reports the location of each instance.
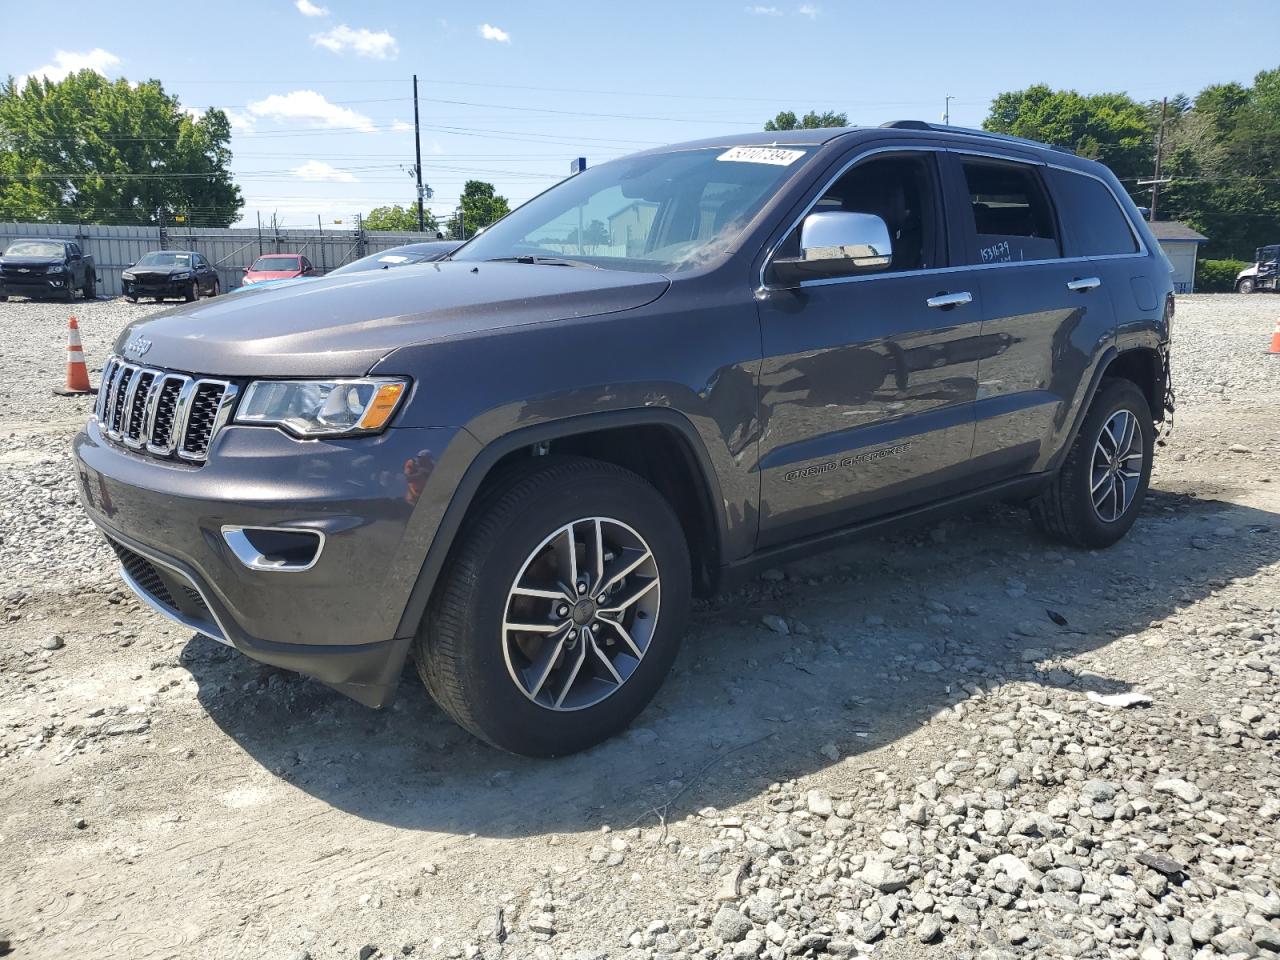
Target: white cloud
(401, 126)
(311, 108)
(761, 11)
(66, 63)
(240, 122)
(490, 32)
(807, 10)
(309, 9)
(195, 113)
(316, 170)
(364, 43)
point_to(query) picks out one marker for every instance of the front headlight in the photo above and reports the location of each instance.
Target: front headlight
(184, 275)
(56, 268)
(322, 408)
(126, 276)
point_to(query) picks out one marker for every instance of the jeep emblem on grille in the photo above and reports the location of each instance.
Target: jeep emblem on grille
(137, 346)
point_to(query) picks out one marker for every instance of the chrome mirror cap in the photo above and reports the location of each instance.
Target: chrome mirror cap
(859, 239)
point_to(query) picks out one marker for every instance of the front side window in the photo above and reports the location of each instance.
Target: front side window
(663, 212)
(900, 191)
(1011, 213)
(1098, 226)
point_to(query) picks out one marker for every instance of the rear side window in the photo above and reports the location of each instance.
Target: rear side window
(1098, 225)
(1011, 213)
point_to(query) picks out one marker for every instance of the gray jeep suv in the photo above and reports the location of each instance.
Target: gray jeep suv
(651, 381)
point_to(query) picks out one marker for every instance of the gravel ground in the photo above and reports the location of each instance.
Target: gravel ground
(916, 747)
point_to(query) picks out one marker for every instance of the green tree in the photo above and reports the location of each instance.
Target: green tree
(1222, 153)
(786, 120)
(400, 219)
(1110, 127)
(481, 206)
(92, 149)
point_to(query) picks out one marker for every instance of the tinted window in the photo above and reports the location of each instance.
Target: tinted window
(1098, 225)
(900, 191)
(1011, 213)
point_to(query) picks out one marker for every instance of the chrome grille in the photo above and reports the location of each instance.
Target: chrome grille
(167, 414)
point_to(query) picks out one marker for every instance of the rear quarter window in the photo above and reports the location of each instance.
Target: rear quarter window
(1098, 226)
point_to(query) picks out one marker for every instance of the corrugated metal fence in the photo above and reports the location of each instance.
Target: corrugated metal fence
(229, 249)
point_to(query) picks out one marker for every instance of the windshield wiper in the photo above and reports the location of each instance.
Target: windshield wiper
(551, 261)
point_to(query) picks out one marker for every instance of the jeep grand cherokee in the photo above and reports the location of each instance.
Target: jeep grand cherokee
(657, 377)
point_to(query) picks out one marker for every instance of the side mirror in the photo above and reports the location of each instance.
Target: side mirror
(835, 244)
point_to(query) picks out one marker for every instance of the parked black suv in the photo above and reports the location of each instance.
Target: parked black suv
(165, 274)
(652, 380)
(47, 268)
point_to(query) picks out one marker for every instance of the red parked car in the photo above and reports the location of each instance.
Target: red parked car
(278, 266)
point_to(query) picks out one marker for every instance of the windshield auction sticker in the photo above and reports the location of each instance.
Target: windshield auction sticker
(772, 155)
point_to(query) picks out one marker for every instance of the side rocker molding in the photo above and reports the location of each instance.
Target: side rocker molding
(484, 461)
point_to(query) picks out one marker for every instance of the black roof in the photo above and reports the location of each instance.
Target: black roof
(908, 128)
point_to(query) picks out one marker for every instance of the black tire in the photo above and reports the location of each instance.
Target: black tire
(461, 646)
(194, 293)
(131, 299)
(216, 288)
(1065, 511)
(69, 292)
(1245, 286)
(90, 287)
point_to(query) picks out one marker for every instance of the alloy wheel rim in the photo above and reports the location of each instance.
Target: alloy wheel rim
(581, 614)
(1116, 466)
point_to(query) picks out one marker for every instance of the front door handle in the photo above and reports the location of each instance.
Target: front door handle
(948, 300)
(1084, 283)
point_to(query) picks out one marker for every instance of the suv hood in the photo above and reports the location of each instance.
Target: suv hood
(342, 326)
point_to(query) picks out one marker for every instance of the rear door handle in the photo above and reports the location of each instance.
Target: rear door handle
(946, 300)
(1083, 284)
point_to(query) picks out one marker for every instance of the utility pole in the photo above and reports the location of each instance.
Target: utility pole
(946, 111)
(1155, 183)
(417, 146)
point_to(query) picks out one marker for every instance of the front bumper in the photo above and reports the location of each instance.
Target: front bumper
(35, 285)
(160, 288)
(337, 620)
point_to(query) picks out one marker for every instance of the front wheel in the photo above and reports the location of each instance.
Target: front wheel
(194, 293)
(1096, 496)
(68, 292)
(560, 610)
(1245, 286)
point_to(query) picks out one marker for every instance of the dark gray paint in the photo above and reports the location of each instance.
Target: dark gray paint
(765, 383)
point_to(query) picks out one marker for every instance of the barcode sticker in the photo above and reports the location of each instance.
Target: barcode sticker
(776, 156)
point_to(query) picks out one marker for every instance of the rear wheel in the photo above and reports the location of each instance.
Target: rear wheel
(1244, 286)
(1096, 496)
(216, 288)
(560, 610)
(90, 287)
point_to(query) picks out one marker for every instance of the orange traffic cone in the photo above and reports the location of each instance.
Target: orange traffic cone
(1275, 339)
(77, 372)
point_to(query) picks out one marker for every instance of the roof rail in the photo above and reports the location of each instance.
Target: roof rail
(944, 128)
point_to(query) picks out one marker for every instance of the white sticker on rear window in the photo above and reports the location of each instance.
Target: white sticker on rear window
(771, 155)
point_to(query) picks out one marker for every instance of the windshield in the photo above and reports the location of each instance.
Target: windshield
(34, 248)
(275, 263)
(165, 258)
(661, 212)
(384, 260)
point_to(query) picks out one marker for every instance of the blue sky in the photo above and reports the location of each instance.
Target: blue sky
(320, 91)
